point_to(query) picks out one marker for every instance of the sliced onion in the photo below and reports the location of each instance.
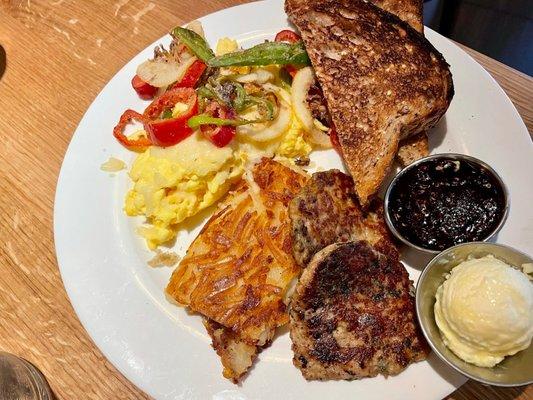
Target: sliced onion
(262, 132)
(196, 26)
(279, 92)
(161, 73)
(258, 76)
(301, 82)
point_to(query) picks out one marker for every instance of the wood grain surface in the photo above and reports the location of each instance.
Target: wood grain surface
(60, 53)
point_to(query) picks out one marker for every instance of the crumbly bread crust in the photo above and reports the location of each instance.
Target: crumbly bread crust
(382, 80)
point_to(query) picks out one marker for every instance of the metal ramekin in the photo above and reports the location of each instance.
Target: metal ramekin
(514, 370)
(453, 156)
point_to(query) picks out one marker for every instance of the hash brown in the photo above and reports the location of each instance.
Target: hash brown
(238, 270)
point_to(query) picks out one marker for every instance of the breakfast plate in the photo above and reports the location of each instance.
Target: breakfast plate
(163, 349)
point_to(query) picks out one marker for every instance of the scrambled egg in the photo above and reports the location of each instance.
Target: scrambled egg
(225, 46)
(174, 183)
(293, 143)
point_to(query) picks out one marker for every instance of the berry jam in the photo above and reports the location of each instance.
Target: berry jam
(443, 201)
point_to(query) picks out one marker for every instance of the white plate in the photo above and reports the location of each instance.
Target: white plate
(165, 351)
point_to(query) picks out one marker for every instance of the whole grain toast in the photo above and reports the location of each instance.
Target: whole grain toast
(413, 148)
(382, 80)
(411, 11)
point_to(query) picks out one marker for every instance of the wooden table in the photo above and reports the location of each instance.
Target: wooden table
(60, 53)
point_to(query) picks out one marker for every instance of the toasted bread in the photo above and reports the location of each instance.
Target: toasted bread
(238, 270)
(410, 11)
(382, 80)
(416, 146)
(413, 148)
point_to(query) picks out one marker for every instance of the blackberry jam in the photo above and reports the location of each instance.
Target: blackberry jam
(445, 201)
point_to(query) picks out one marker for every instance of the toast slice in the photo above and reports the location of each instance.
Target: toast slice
(382, 80)
(416, 146)
(413, 148)
(410, 11)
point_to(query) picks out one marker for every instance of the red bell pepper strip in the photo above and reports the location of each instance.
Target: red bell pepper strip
(287, 36)
(162, 132)
(169, 99)
(168, 132)
(220, 136)
(138, 144)
(192, 75)
(291, 70)
(334, 137)
(143, 89)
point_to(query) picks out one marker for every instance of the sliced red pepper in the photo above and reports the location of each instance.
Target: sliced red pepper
(220, 136)
(168, 132)
(288, 36)
(291, 70)
(192, 75)
(334, 137)
(169, 99)
(138, 144)
(143, 89)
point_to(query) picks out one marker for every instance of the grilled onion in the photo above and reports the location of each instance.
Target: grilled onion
(161, 72)
(301, 83)
(258, 76)
(263, 132)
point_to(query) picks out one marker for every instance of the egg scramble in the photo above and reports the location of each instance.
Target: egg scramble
(171, 184)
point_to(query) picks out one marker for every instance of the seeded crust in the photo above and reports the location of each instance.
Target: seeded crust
(326, 211)
(352, 315)
(413, 148)
(410, 11)
(382, 80)
(416, 146)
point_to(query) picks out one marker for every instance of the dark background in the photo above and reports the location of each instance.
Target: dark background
(501, 29)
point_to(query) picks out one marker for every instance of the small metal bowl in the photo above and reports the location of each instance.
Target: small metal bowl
(453, 156)
(514, 370)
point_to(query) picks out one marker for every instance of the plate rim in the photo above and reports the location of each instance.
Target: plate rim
(58, 241)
